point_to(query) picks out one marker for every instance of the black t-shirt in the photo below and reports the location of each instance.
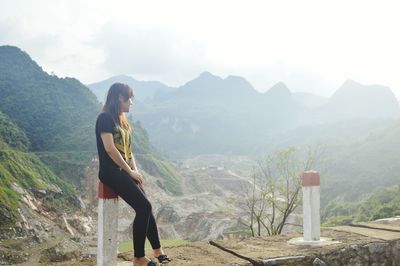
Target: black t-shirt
(122, 141)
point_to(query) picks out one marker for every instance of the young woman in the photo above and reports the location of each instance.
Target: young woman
(119, 172)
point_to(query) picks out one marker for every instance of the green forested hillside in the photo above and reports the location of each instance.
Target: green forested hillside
(361, 177)
(362, 164)
(11, 137)
(54, 113)
(47, 134)
(384, 202)
(58, 117)
(26, 170)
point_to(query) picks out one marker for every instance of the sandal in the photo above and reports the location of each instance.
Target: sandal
(163, 259)
(150, 263)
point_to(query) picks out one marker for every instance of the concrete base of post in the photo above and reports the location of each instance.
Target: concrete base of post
(107, 245)
(323, 241)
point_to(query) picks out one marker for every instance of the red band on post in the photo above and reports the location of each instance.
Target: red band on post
(106, 192)
(311, 178)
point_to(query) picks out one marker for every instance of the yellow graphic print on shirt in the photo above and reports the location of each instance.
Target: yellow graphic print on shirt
(122, 141)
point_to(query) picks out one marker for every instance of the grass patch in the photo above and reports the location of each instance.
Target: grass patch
(28, 171)
(68, 165)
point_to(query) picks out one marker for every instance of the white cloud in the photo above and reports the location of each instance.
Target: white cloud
(149, 53)
(311, 45)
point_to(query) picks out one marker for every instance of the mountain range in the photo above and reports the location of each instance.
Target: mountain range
(356, 127)
(210, 114)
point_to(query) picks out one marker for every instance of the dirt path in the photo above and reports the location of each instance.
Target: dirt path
(201, 253)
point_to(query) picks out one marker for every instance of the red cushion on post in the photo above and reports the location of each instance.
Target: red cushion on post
(106, 192)
(311, 178)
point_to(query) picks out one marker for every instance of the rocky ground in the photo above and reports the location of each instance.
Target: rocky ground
(206, 210)
(349, 248)
(43, 235)
(350, 245)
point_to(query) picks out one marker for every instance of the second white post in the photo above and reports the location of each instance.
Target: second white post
(311, 206)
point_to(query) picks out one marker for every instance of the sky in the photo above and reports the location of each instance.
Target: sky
(312, 46)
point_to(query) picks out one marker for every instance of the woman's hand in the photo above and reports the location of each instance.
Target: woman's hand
(138, 177)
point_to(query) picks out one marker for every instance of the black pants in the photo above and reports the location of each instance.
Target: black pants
(144, 223)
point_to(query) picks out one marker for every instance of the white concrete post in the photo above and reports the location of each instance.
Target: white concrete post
(311, 206)
(107, 246)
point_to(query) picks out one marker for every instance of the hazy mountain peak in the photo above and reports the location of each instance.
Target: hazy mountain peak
(238, 81)
(208, 76)
(280, 86)
(234, 77)
(351, 86)
(122, 76)
(205, 79)
(350, 82)
(279, 89)
(354, 99)
(118, 78)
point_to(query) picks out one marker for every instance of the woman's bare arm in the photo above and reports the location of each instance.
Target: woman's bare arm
(116, 156)
(134, 167)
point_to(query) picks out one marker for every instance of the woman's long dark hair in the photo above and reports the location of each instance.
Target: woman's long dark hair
(112, 105)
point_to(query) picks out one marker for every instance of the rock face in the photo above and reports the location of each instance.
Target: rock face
(202, 212)
(61, 252)
(36, 221)
(205, 226)
(167, 214)
(43, 235)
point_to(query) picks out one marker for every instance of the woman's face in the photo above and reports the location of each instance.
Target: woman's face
(125, 104)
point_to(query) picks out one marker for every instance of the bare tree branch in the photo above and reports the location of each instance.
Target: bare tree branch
(272, 202)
